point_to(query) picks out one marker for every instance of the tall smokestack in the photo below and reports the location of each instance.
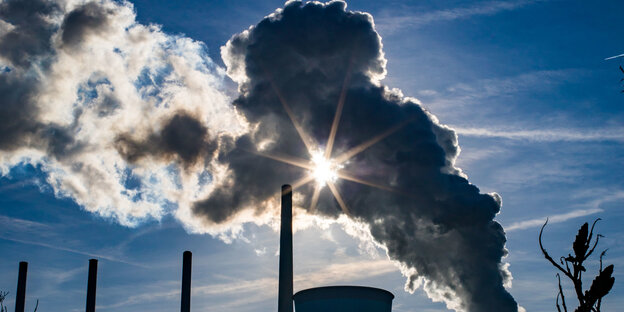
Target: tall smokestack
(20, 297)
(187, 261)
(285, 295)
(91, 285)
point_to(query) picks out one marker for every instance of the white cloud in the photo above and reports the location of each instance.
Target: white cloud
(124, 77)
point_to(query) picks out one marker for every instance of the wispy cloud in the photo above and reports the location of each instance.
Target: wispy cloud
(489, 96)
(347, 272)
(21, 225)
(13, 229)
(545, 135)
(494, 95)
(552, 219)
(154, 293)
(394, 23)
(537, 80)
(63, 275)
(70, 250)
(594, 207)
(118, 251)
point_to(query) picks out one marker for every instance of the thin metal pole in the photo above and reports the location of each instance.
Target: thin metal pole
(187, 262)
(91, 285)
(20, 297)
(285, 292)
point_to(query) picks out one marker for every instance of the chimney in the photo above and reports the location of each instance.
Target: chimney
(91, 285)
(285, 294)
(187, 258)
(20, 296)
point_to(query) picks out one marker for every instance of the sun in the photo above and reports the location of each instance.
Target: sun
(321, 166)
(324, 170)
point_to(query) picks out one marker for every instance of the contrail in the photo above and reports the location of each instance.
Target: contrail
(70, 250)
(614, 57)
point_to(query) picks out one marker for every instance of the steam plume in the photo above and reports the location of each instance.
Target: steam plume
(121, 117)
(293, 65)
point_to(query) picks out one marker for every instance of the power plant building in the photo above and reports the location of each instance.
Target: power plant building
(320, 299)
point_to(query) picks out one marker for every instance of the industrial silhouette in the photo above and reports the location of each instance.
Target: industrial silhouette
(20, 296)
(326, 299)
(187, 262)
(91, 285)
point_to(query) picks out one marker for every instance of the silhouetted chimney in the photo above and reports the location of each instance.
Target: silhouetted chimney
(20, 297)
(91, 285)
(186, 281)
(285, 293)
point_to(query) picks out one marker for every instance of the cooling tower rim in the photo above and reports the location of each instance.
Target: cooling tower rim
(343, 291)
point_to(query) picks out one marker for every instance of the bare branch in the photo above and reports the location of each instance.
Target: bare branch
(599, 302)
(567, 266)
(3, 295)
(548, 257)
(602, 255)
(591, 233)
(565, 309)
(589, 300)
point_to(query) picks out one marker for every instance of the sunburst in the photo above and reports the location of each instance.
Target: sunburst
(321, 167)
(324, 170)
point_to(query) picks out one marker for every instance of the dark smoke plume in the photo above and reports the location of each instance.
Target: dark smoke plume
(183, 137)
(28, 39)
(85, 20)
(423, 210)
(20, 45)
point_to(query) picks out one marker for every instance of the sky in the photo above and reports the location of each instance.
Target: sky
(536, 107)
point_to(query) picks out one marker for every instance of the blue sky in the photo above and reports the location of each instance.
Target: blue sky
(540, 120)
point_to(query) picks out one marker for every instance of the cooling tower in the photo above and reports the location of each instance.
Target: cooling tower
(343, 299)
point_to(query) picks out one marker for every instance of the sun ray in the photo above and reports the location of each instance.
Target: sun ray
(363, 146)
(327, 166)
(287, 159)
(338, 114)
(309, 143)
(298, 183)
(339, 199)
(302, 181)
(315, 197)
(345, 176)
